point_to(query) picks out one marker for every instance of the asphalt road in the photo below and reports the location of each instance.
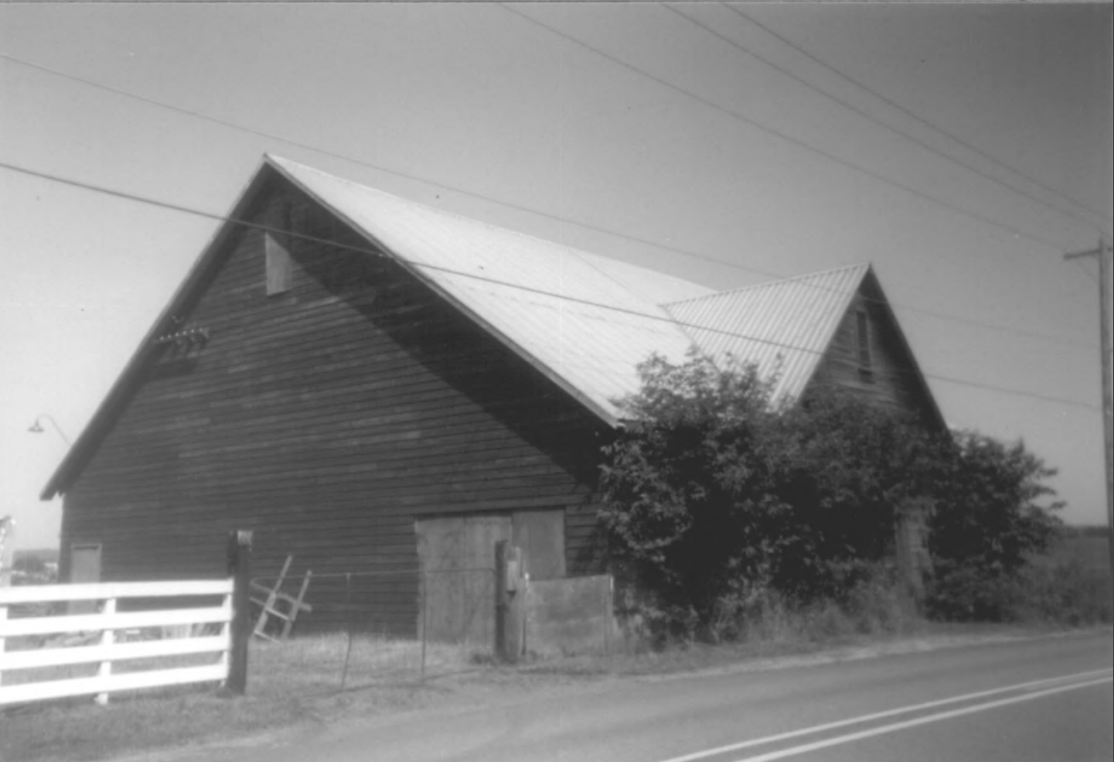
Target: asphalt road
(1039, 700)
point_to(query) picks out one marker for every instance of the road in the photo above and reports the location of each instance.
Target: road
(1037, 700)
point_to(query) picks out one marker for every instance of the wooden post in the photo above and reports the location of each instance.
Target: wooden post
(516, 603)
(1106, 369)
(239, 568)
(108, 637)
(501, 599)
(6, 556)
(510, 597)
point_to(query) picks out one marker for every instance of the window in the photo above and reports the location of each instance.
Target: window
(862, 326)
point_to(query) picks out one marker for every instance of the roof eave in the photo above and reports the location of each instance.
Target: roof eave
(68, 469)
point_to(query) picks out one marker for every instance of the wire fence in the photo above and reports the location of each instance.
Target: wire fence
(366, 628)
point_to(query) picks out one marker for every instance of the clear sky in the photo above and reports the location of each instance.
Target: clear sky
(960, 148)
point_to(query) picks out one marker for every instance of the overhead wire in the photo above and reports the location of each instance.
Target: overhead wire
(910, 113)
(519, 207)
(1013, 231)
(123, 195)
(866, 115)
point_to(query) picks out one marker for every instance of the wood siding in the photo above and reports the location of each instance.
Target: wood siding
(327, 417)
(891, 379)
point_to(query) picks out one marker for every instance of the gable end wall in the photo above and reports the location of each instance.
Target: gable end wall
(892, 381)
(327, 418)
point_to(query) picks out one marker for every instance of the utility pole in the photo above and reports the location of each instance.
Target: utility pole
(1106, 293)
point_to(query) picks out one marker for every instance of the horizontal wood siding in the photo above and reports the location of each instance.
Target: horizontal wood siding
(892, 380)
(327, 418)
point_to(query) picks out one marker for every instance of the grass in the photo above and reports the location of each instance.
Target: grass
(291, 687)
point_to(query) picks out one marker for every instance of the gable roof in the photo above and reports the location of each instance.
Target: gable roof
(783, 327)
(584, 321)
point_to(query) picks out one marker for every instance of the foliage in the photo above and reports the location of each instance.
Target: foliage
(1066, 593)
(713, 494)
(716, 499)
(996, 512)
(31, 569)
(691, 504)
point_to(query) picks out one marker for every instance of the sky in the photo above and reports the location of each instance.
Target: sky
(962, 149)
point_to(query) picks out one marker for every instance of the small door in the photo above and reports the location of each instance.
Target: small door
(85, 567)
(85, 563)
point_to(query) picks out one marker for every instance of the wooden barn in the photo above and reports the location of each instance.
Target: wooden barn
(378, 387)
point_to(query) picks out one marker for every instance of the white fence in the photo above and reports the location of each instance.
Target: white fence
(108, 648)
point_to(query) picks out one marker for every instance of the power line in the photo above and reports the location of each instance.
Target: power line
(621, 310)
(746, 51)
(917, 117)
(512, 205)
(1016, 232)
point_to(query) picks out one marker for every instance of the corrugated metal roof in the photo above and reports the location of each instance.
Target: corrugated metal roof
(783, 327)
(584, 320)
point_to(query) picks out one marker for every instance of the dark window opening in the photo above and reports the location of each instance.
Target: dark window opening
(862, 326)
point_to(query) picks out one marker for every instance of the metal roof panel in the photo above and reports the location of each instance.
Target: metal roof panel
(584, 320)
(783, 327)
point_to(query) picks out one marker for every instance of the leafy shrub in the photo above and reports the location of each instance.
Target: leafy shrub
(995, 514)
(722, 509)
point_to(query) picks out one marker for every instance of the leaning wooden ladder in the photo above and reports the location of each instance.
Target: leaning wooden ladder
(270, 605)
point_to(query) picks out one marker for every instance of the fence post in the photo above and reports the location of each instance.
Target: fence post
(424, 577)
(500, 599)
(7, 554)
(510, 597)
(3, 617)
(108, 637)
(239, 569)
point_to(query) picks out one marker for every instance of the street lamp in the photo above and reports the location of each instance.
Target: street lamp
(37, 427)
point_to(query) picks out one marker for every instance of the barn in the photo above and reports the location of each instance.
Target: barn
(379, 388)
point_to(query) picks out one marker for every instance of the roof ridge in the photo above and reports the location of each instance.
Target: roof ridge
(778, 281)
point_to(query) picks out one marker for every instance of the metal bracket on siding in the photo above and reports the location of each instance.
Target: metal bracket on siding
(186, 340)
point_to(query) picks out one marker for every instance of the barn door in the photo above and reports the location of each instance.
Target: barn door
(457, 556)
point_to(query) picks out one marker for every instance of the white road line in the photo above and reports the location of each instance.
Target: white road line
(1031, 685)
(918, 721)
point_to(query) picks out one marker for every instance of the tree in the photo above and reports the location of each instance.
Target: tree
(688, 498)
(997, 513)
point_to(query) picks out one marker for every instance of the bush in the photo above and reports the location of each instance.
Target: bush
(714, 497)
(875, 605)
(968, 593)
(721, 508)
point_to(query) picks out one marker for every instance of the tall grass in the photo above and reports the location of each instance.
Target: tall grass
(1071, 593)
(875, 606)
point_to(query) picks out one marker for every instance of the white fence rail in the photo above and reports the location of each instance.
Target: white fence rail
(109, 649)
